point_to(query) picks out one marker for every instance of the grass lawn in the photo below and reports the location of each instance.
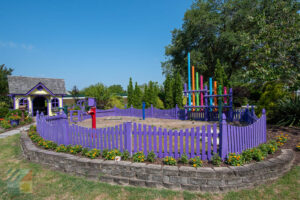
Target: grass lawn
(49, 184)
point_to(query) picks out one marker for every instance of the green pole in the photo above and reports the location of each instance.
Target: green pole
(220, 106)
(197, 88)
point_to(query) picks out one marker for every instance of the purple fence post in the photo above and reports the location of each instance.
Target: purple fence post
(223, 138)
(128, 133)
(65, 130)
(151, 111)
(264, 125)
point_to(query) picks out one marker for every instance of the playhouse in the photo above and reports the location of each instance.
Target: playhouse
(37, 94)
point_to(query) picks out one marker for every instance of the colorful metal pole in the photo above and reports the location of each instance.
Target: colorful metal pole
(210, 92)
(201, 88)
(215, 93)
(144, 105)
(189, 78)
(197, 88)
(220, 108)
(193, 86)
(225, 93)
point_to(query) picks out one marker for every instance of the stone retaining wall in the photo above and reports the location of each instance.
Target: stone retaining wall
(204, 179)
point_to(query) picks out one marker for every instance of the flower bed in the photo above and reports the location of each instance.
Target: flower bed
(14, 115)
(251, 155)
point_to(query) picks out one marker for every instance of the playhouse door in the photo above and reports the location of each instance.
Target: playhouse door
(39, 104)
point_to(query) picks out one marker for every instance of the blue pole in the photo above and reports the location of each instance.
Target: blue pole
(189, 77)
(210, 91)
(144, 105)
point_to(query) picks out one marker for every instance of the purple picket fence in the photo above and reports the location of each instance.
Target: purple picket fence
(199, 141)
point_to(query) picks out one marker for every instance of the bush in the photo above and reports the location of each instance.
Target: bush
(184, 159)
(125, 155)
(196, 162)
(75, 149)
(5, 124)
(84, 151)
(32, 128)
(151, 156)
(92, 153)
(247, 155)
(139, 157)
(287, 112)
(257, 154)
(272, 148)
(235, 159)
(111, 155)
(216, 159)
(169, 160)
(264, 149)
(3, 112)
(61, 148)
(104, 153)
(281, 139)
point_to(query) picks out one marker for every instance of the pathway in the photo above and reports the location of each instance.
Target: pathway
(15, 131)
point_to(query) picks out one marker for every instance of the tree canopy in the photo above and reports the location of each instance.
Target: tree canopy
(255, 40)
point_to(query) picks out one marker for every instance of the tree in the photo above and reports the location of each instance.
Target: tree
(100, 93)
(255, 38)
(220, 74)
(115, 89)
(169, 103)
(146, 96)
(75, 93)
(4, 72)
(178, 90)
(137, 101)
(130, 94)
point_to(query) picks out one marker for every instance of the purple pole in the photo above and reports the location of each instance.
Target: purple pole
(223, 139)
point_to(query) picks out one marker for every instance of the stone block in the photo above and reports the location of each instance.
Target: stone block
(198, 181)
(190, 187)
(205, 172)
(139, 183)
(170, 171)
(143, 176)
(121, 181)
(138, 167)
(154, 169)
(153, 184)
(215, 182)
(224, 172)
(187, 171)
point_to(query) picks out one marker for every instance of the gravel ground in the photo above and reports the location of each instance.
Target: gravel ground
(163, 123)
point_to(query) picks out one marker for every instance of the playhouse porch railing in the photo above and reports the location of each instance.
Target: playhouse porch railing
(201, 141)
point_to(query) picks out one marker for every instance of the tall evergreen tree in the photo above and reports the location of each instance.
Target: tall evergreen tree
(168, 92)
(4, 72)
(177, 90)
(152, 94)
(137, 101)
(146, 96)
(130, 94)
(220, 74)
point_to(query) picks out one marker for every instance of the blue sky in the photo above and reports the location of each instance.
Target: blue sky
(85, 42)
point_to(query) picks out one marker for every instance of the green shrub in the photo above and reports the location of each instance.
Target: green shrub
(287, 112)
(32, 128)
(247, 155)
(61, 148)
(84, 151)
(151, 156)
(257, 154)
(125, 155)
(138, 157)
(216, 159)
(104, 153)
(92, 153)
(5, 124)
(272, 148)
(75, 149)
(184, 159)
(196, 162)
(264, 149)
(111, 155)
(3, 112)
(169, 160)
(235, 159)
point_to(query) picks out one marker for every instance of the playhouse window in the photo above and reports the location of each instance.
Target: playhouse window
(55, 103)
(40, 88)
(23, 102)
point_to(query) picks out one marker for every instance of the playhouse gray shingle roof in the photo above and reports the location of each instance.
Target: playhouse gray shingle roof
(21, 84)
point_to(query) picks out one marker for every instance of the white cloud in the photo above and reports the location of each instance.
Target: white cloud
(15, 45)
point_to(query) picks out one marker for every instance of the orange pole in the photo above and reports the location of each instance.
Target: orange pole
(193, 82)
(215, 92)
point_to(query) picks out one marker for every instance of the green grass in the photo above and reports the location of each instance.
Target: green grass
(48, 184)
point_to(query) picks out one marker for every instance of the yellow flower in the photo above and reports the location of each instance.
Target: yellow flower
(142, 160)
(194, 165)
(238, 164)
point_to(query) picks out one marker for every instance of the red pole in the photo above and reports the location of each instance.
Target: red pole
(93, 113)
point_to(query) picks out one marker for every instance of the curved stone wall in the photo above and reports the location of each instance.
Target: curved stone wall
(205, 179)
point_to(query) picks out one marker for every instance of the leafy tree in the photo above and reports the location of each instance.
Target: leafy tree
(115, 101)
(4, 72)
(220, 74)
(115, 89)
(75, 93)
(146, 96)
(152, 93)
(130, 94)
(256, 39)
(168, 84)
(137, 101)
(100, 93)
(177, 90)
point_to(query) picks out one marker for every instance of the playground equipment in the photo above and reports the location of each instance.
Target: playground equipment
(213, 101)
(92, 111)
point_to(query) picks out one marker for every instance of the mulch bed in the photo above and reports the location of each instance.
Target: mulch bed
(272, 132)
